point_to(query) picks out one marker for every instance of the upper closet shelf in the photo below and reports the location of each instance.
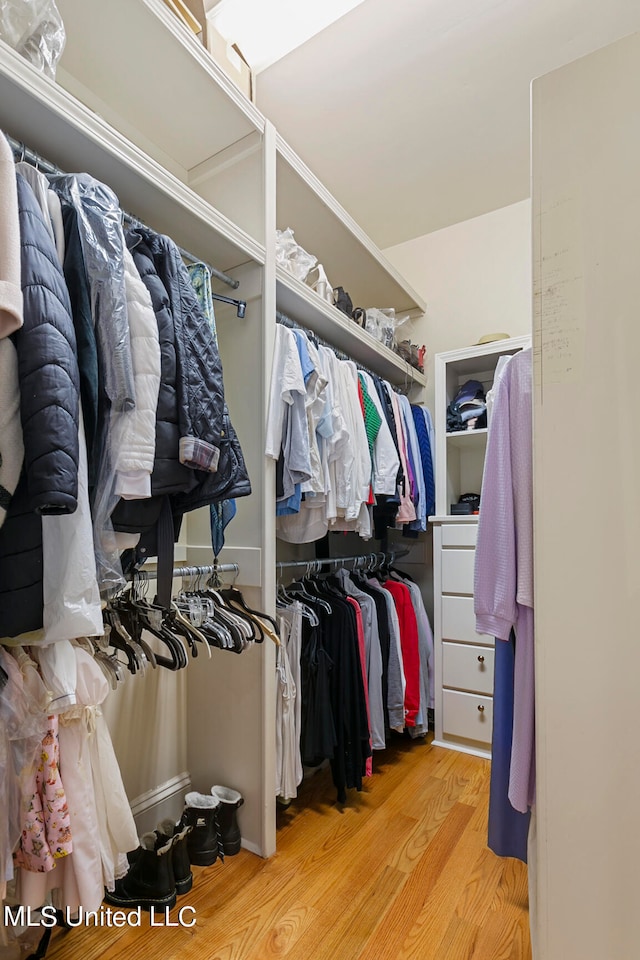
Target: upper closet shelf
(48, 119)
(139, 66)
(299, 302)
(325, 229)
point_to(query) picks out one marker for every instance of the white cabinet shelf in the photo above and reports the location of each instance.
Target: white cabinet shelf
(460, 455)
(138, 65)
(467, 438)
(463, 658)
(298, 301)
(51, 121)
(351, 260)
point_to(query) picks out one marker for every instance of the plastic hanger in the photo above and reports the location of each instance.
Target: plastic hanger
(232, 593)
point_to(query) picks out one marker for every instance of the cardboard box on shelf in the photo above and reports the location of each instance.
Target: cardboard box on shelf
(230, 58)
(227, 55)
(188, 13)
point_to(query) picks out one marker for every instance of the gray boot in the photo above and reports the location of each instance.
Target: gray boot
(230, 802)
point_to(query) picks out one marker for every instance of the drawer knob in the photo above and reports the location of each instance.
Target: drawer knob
(480, 659)
(481, 707)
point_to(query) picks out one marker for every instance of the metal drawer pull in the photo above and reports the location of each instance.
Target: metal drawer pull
(481, 707)
(480, 659)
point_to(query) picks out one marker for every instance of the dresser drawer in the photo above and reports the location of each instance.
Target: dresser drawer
(467, 715)
(467, 668)
(459, 534)
(459, 621)
(457, 571)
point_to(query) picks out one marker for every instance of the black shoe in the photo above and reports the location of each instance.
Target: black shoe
(150, 881)
(203, 842)
(168, 830)
(230, 802)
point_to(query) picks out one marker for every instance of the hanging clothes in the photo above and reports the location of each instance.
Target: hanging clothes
(101, 824)
(289, 704)
(10, 288)
(396, 681)
(503, 599)
(362, 461)
(360, 640)
(46, 831)
(372, 668)
(49, 413)
(410, 652)
(201, 280)
(23, 724)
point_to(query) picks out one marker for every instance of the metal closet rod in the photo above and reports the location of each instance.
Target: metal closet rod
(294, 325)
(23, 152)
(363, 558)
(200, 571)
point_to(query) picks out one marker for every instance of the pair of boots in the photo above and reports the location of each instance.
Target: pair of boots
(213, 819)
(160, 869)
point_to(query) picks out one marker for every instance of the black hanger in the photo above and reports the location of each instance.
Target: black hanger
(232, 593)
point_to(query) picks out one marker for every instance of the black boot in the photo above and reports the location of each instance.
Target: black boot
(150, 881)
(168, 830)
(230, 802)
(203, 842)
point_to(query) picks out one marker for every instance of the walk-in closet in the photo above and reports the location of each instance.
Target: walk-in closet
(317, 524)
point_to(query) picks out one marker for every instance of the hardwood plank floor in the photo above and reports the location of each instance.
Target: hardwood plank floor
(401, 872)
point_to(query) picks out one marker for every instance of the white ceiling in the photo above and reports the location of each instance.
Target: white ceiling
(415, 114)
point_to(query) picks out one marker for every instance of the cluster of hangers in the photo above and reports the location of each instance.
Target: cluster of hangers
(24, 153)
(317, 589)
(205, 613)
(286, 321)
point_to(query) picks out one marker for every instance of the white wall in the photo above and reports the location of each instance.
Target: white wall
(475, 277)
(586, 205)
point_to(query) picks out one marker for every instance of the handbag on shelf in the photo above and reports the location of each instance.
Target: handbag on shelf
(342, 301)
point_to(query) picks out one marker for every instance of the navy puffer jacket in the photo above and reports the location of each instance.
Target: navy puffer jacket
(48, 367)
(49, 409)
(208, 442)
(192, 419)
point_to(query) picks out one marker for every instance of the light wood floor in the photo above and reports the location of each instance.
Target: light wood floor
(402, 872)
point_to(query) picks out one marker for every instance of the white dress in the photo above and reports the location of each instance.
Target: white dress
(102, 825)
(288, 703)
(23, 723)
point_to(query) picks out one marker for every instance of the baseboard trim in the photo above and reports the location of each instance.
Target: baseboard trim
(462, 748)
(162, 802)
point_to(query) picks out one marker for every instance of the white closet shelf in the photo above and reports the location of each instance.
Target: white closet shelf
(467, 438)
(467, 518)
(153, 79)
(466, 358)
(325, 229)
(48, 119)
(299, 302)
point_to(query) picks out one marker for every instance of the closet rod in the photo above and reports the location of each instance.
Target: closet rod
(199, 571)
(294, 325)
(341, 561)
(22, 152)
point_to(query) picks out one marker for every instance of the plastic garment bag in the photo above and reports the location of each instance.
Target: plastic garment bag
(70, 588)
(102, 239)
(35, 29)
